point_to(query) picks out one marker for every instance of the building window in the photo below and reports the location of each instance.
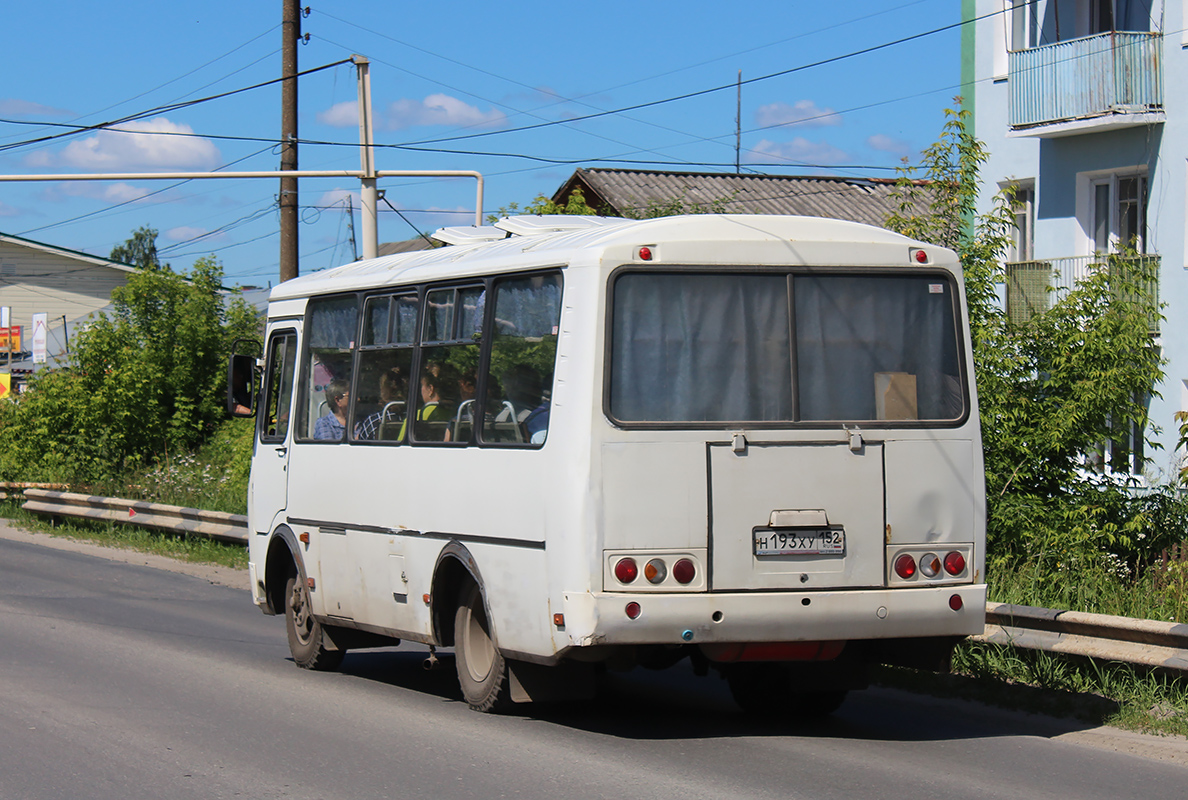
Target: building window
(1023, 236)
(1023, 22)
(1118, 207)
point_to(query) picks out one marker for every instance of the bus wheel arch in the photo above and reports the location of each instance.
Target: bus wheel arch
(454, 572)
(282, 561)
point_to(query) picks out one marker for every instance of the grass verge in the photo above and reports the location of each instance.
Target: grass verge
(1102, 693)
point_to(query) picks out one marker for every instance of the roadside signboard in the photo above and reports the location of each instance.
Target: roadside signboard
(10, 339)
(40, 336)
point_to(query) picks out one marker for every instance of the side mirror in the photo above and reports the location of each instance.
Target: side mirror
(241, 385)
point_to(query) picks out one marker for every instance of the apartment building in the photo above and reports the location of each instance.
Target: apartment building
(1069, 98)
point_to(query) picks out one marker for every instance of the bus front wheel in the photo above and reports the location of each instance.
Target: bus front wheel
(305, 632)
(482, 670)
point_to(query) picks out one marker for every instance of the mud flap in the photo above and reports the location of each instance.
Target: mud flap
(535, 683)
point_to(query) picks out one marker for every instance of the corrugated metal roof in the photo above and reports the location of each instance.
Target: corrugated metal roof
(633, 192)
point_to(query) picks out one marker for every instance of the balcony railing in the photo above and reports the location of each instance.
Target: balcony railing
(1107, 74)
(1032, 286)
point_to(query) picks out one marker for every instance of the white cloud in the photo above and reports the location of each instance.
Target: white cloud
(97, 190)
(799, 151)
(341, 115)
(144, 144)
(338, 195)
(187, 233)
(439, 109)
(803, 112)
(886, 144)
(12, 107)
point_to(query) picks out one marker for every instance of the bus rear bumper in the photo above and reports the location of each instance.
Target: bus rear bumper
(851, 615)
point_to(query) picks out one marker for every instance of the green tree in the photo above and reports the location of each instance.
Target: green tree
(1052, 389)
(676, 206)
(140, 250)
(147, 379)
(575, 205)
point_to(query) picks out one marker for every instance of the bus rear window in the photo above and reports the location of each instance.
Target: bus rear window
(770, 348)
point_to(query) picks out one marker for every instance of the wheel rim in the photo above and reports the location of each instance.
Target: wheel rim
(480, 651)
(302, 621)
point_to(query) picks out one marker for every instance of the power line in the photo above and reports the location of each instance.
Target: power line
(733, 85)
(158, 110)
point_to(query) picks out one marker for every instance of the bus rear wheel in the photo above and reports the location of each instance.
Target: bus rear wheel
(761, 689)
(482, 670)
(305, 632)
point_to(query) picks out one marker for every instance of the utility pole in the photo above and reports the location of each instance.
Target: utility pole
(738, 125)
(368, 192)
(290, 33)
(350, 210)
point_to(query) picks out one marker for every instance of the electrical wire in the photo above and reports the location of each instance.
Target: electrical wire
(158, 110)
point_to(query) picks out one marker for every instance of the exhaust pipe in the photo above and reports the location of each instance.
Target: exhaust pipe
(432, 662)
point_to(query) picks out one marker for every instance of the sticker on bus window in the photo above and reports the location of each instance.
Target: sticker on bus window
(936, 288)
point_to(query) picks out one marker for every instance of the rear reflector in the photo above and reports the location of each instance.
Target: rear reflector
(955, 602)
(632, 610)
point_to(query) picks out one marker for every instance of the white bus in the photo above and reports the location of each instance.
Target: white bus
(566, 444)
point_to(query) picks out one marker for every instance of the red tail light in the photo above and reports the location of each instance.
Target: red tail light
(684, 571)
(905, 566)
(954, 563)
(626, 570)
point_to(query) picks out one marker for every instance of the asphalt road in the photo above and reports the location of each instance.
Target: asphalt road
(119, 680)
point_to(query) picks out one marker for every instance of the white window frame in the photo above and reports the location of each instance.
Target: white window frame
(1089, 209)
(1022, 247)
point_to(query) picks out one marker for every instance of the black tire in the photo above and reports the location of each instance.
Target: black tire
(482, 670)
(305, 632)
(761, 689)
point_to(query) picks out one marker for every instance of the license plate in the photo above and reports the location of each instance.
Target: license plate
(800, 542)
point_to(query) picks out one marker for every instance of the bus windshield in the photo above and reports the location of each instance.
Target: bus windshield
(700, 347)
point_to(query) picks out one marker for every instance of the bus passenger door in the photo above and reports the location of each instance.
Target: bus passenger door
(268, 491)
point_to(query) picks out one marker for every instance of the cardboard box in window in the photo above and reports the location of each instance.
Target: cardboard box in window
(895, 395)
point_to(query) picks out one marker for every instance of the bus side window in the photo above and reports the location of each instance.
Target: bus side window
(326, 374)
(282, 357)
(385, 363)
(523, 356)
(449, 361)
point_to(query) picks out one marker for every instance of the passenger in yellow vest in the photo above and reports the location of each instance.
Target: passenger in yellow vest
(437, 404)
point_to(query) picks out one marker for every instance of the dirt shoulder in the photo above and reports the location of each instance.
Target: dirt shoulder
(223, 576)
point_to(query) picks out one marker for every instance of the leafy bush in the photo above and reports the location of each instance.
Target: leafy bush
(1051, 389)
(148, 379)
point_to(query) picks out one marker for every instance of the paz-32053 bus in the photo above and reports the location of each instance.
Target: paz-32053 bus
(566, 444)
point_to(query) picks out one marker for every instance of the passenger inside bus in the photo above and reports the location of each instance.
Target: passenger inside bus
(393, 393)
(332, 425)
(439, 383)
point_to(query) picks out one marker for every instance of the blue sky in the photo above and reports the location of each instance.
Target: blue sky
(441, 72)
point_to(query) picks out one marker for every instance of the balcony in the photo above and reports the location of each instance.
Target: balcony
(1109, 80)
(1032, 286)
